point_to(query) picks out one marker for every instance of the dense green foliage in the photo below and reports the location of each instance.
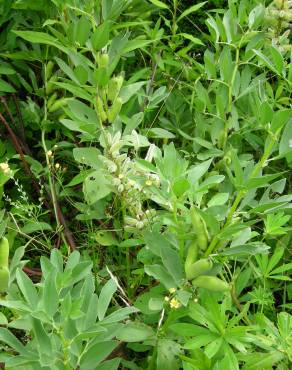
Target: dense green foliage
(145, 184)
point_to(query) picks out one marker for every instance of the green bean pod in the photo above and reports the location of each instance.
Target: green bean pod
(103, 60)
(58, 105)
(49, 69)
(4, 271)
(191, 257)
(100, 109)
(199, 228)
(4, 279)
(114, 87)
(115, 110)
(211, 283)
(4, 252)
(198, 268)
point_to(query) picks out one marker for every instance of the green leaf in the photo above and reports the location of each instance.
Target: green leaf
(87, 156)
(172, 263)
(246, 249)
(159, 4)
(7, 337)
(41, 336)
(196, 172)
(83, 30)
(3, 319)
(5, 87)
(96, 353)
(285, 147)
(106, 238)
(167, 354)
(135, 44)
(259, 182)
(263, 360)
(101, 36)
(67, 70)
(160, 274)
(135, 332)
(96, 187)
(27, 289)
(280, 119)
(193, 39)
(32, 227)
(105, 298)
(110, 365)
(218, 199)
(41, 38)
(50, 295)
(75, 90)
(130, 90)
(213, 347)
(190, 10)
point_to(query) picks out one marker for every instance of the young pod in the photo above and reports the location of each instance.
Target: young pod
(114, 87)
(57, 105)
(198, 268)
(4, 279)
(100, 109)
(50, 85)
(103, 60)
(115, 110)
(52, 100)
(211, 283)
(191, 257)
(49, 69)
(199, 228)
(4, 252)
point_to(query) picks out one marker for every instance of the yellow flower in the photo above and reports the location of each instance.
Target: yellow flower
(166, 299)
(174, 303)
(49, 153)
(148, 182)
(172, 290)
(57, 166)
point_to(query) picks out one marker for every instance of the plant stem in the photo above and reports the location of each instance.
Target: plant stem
(242, 193)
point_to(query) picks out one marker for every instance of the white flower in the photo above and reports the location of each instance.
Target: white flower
(4, 167)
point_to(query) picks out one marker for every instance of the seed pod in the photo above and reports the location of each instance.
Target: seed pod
(211, 283)
(198, 268)
(192, 256)
(49, 69)
(4, 279)
(103, 60)
(50, 85)
(51, 100)
(57, 105)
(199, 228)
(4, 252)
(114, 87)
(115, 110)
(100, 109)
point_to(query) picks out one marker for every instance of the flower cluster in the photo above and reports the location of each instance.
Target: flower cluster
(129, 181)
(174, 303)
(5, 169)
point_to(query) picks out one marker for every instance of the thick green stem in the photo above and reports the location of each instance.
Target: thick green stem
(241, 193)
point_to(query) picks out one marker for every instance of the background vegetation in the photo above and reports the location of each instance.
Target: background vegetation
(145, 184)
